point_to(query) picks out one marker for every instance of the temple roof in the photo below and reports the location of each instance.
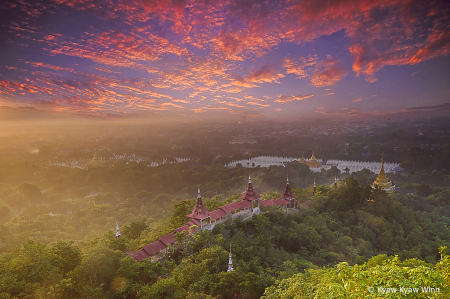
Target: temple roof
(235, 205)
(249, 193)
(217, 214)
(287, 194)
(199, 211)
(276, 202)
(154, 247)
(139, 255)
(168, 239)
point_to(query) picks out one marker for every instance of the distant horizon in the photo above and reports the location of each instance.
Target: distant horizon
(30, 113)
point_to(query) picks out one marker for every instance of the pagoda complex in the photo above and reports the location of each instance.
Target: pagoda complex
(202, 219)
(382, 180)
(313, 162)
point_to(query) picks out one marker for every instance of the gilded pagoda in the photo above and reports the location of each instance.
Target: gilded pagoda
(313, 162)
(382, 180)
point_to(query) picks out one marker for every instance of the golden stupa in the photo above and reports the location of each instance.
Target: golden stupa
(313, 162)
(302, 160)
(382, 180)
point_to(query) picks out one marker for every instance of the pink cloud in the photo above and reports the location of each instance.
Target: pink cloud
(328, 72)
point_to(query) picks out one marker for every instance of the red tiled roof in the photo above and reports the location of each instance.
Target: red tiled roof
(276, 202)
(184, 228)
(154, 247)
(139, 255)
(168, 239)
(266, 203)
(195, 222)
(217, 214)
(243, 204)
(280, 201)
(228, 208)
(235, 205)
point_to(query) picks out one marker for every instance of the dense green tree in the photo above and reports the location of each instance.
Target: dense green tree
(134, 229)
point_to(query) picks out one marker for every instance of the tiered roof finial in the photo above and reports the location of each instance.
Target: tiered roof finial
(249, 178)
(230, 262)
(117, 230)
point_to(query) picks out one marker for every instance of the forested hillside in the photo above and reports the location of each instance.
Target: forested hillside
(276, 253)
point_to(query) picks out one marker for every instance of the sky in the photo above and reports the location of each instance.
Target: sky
(285, 59)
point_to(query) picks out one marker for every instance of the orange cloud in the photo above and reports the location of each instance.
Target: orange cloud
(258, 104)
(357, 100)
(286, 99)
(299, 69)
(328, 72)
(266, 74)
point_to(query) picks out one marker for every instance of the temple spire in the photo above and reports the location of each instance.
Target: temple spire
(230, 262)
(314, 188)
(287, 194)
(249, 194)
(199, 211)
(117, 230)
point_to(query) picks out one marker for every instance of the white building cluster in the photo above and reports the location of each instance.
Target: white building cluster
(264, 161)
(353, 166)
(83, 163)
